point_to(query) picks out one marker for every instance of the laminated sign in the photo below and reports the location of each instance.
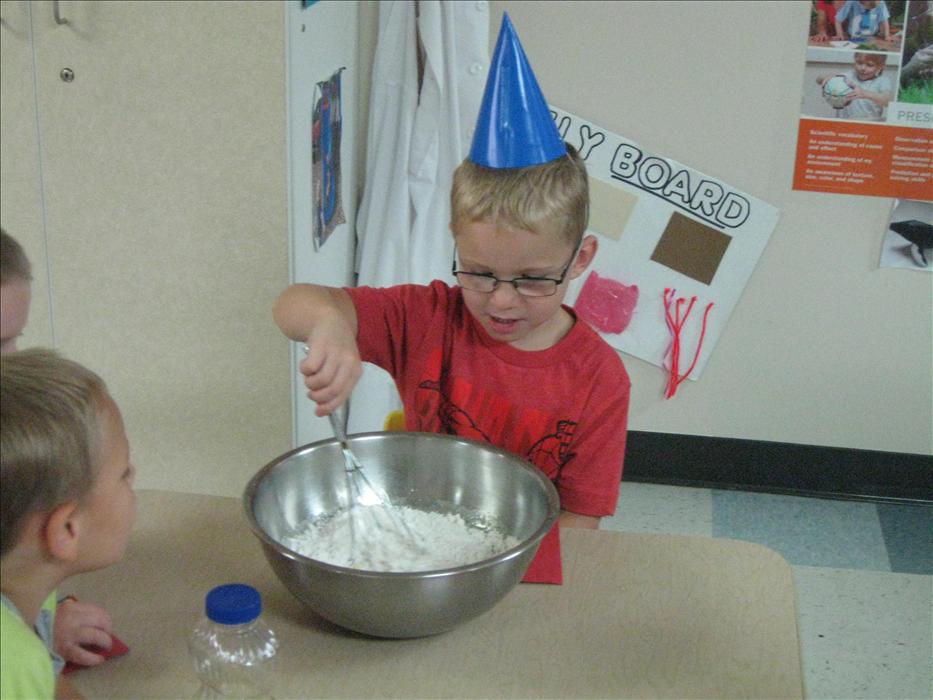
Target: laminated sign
(676, 248)
(326, 127)
(866, 112)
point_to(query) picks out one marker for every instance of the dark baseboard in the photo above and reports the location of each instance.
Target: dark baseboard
(778, 467)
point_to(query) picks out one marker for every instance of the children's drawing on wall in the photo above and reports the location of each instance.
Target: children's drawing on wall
(866, 122)
(326, 121)
(908, 241)
(676, 248)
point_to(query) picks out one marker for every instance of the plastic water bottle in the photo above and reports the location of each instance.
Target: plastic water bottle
(232, 647)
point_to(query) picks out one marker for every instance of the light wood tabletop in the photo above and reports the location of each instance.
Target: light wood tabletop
(638, 615)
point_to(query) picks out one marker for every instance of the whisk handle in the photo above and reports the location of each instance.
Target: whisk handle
(337, 426)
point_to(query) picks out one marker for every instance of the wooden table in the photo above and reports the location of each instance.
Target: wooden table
(638, 616)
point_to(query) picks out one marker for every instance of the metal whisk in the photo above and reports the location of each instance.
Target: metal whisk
(362, 492)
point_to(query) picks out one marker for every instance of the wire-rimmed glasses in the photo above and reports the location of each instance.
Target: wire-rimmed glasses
(527, 286)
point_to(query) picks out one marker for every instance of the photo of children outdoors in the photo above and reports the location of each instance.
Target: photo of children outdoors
(916, 83)
(863, 55)
(872, 25)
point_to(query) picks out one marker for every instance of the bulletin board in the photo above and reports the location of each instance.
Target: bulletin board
(823, 346)
(677, 248)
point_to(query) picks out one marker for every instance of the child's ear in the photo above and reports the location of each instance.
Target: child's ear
(588, 248)
(61, 532)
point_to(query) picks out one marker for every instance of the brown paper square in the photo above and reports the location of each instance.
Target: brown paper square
(691, 248)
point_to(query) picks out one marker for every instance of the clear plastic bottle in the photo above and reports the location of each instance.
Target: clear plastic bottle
(232, 647)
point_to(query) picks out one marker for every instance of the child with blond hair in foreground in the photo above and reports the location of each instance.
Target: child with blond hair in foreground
(66, 483)
(82, 629)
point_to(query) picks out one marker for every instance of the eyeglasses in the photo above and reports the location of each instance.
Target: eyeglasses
(486, 283)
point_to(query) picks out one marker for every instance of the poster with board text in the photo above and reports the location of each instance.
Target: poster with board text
(666, 232)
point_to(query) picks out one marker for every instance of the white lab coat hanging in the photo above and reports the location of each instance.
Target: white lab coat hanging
(413, 147)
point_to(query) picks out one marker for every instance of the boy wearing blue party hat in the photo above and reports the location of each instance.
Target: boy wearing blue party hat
(498, 357)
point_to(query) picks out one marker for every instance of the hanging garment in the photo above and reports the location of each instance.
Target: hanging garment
(455, 41)
(414, 143)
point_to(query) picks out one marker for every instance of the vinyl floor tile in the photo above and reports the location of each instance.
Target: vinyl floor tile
(865, 634)
(659, 508)
(908, 535)
(806, 531)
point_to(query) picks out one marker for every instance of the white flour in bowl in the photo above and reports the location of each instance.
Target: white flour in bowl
(432, 540)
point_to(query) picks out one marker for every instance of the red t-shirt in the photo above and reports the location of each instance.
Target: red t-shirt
(829, 8)
(564, 409)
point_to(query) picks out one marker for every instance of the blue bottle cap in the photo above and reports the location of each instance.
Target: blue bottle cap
(515, 128)
(233, 604)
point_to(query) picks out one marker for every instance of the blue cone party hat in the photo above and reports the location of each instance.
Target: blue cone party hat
(514, 128)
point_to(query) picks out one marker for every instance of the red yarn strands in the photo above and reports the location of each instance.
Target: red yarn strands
(675, 323)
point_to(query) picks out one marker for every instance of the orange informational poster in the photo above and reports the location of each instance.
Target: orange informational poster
(870, 159)
(866, 122)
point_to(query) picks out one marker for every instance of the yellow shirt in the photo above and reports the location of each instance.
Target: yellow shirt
(25, 665)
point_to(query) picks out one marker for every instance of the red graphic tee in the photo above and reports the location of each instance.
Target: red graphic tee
(564, 409)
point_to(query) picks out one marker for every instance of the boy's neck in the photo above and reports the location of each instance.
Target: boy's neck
(27, 581)
(567, 322)
(562, 326)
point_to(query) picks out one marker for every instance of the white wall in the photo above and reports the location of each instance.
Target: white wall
(823, 347)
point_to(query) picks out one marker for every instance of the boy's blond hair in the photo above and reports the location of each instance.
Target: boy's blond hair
(876, 59)
(49, 436)
(548, 198)
(14, 265)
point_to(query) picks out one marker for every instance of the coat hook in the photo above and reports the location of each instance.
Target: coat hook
(57, 13)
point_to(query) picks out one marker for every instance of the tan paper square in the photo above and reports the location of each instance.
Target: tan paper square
(610, 208)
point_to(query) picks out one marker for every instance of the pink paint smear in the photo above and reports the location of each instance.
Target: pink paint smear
(606, 304)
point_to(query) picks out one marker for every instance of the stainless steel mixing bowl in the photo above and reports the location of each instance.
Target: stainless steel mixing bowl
(419, 469)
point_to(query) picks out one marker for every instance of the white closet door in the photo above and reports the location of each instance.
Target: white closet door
(163, 164)
(20, 184)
